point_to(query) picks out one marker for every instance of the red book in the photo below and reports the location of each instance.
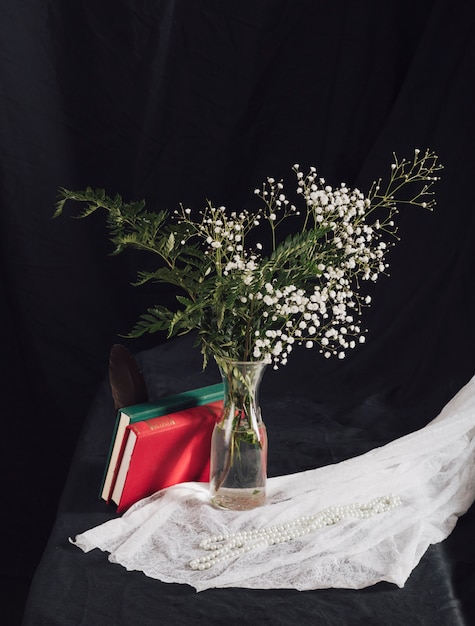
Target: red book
(163, 451)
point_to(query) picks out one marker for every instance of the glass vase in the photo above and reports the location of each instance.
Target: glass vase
(238, 464)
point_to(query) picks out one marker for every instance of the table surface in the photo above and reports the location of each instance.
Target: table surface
(71, 588)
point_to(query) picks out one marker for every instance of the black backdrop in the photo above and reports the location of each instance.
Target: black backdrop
(183, 100)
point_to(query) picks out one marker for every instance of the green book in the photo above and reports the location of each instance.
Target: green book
(147, 410)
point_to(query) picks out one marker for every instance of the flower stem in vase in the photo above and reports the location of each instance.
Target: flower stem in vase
(238, 469)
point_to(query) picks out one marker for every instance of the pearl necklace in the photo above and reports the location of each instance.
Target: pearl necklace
(225, 547)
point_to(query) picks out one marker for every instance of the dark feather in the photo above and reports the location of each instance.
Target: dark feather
(127, 383)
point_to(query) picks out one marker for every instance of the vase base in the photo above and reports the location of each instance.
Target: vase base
(239, 499)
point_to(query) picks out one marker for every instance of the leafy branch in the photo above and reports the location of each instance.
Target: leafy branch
(245, 304)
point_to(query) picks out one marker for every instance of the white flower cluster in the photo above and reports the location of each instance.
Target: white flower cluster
(296, 316)
(342, 212)
(221, 231)
(307, 291)
(326, 310)
(322, 311)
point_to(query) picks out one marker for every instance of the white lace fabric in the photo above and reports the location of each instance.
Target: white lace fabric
(432, 470)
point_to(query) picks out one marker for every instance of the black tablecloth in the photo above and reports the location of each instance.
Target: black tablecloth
(307, 428)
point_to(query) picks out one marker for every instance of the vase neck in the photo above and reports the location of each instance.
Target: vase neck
(241, 374)
(241, 379)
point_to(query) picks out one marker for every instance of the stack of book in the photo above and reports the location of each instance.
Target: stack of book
(159, 444)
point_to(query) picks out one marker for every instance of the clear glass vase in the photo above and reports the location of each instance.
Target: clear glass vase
(238, 465)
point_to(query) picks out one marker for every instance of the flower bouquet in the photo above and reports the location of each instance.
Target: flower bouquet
(256, 283)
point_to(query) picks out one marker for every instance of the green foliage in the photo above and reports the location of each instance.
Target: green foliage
(247, 304)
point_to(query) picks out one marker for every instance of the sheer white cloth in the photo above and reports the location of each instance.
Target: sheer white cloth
(432, 470)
